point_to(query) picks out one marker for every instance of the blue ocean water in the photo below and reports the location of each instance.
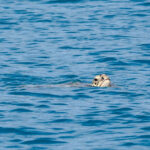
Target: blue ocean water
(48, 42)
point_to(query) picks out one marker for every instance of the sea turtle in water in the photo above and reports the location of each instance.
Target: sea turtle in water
(101, 80)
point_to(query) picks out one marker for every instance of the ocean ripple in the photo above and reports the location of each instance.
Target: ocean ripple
(50, 52)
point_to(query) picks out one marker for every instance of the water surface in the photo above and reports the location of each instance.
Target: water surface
(48, 42)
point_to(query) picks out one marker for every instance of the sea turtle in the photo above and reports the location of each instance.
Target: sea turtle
(101, 80)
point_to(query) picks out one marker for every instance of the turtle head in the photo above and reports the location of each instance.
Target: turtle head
(101, 81)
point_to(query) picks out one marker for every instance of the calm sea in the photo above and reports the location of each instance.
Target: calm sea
(49, 42)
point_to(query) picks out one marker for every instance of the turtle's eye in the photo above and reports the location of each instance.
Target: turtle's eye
(95, 79)
(102, 78)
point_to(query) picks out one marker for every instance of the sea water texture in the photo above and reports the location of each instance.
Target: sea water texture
(59, 42)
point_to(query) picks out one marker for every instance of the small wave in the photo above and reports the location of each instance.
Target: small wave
(63, 1)
(93, 123)
(20, 110)
(43, 141)
(22, 131)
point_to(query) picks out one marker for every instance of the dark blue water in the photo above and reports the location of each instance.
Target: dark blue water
(48, 42)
